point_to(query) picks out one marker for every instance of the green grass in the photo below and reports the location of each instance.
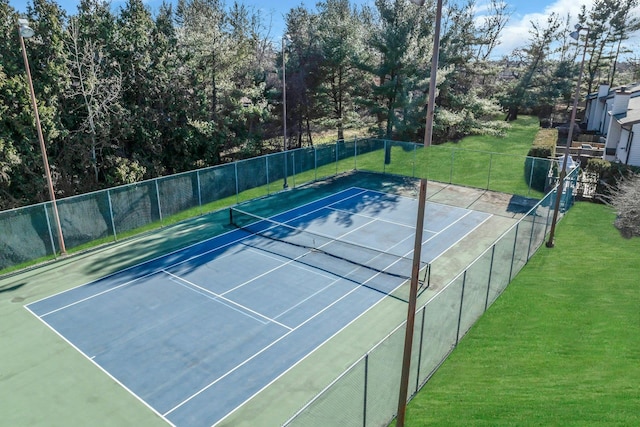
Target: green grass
(560, 347)
(489, 162)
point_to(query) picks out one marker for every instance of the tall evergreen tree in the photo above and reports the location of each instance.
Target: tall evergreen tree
(341, 36)
(400, 48)
(15, 116)
(303, 57)
(529, 63)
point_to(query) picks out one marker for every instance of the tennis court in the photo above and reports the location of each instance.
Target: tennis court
(196, 333)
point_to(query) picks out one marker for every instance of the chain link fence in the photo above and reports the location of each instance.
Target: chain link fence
(28, 234)
(367, 393)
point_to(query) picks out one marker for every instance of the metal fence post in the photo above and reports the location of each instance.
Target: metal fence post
(53, 243)
(415, 160)
(293, 166)
(533, 226)
(486, 301)
(551, 202)
(366, 383)
(158, 197)
(513, 252)
(489, 174)
(464, 281)
(235, 167)
(384, 163)
(266, 165)
(199, 189)
(111, 215)
(424, 308)
(533, 165)
(453, 159)
(337, 157)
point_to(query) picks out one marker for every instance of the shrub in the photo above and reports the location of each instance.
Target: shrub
(625, 199)
(544, 146)
(609, 175)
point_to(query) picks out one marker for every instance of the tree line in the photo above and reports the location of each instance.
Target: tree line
(128, 94)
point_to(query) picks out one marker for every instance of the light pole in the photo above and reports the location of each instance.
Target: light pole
(567, 152)
(285, 38)
(417, 247)
(25, 31)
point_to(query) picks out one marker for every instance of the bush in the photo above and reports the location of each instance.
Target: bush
(625, 199)
(544, 147)
(609, 175)
(544, 144)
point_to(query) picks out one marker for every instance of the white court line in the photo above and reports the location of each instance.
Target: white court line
(97, 295)
(211, 384)
(299, 266)
(290, 261)
(333, 282)
(347, 325)
(387, 221)
(133, 267)
(216, 297)
(92, 360)
(462, 237)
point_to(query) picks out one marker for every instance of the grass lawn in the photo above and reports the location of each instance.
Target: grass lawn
(560, 347)
(490, 162)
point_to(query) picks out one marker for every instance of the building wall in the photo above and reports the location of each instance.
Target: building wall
(607, 117)
(596, 111)
(634, 149)
(621, 152)
(613, 141)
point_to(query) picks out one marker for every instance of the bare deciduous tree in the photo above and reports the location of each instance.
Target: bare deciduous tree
(625, 200)
(95, 81)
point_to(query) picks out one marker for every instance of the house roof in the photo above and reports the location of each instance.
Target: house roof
(632, 115)
(633, 88)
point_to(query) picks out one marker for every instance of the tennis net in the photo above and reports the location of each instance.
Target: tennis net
(352, 261)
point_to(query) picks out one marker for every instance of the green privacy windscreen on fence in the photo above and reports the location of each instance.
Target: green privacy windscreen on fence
(28, 234)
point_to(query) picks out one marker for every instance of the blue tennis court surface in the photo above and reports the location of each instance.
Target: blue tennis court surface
(196, 333)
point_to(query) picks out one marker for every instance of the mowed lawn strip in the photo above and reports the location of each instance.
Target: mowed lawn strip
(560, 347)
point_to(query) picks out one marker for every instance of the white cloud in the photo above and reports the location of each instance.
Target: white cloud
(516, 32)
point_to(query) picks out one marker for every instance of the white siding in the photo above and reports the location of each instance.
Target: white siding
(634, 152)
(613, 139)
(607, 117)
(597, 110)
(621, 153)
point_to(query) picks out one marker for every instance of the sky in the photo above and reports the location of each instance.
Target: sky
(514, 35)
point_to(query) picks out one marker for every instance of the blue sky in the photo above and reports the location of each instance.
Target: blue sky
(514, 35)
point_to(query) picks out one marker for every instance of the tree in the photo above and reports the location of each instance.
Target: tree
(624, 24)
(96, 82)
(341, 39)
(529, 63)
(398, 62)
(303, 61)
(490, 28)
(610, 23)
(625, 200)
(14, 112)
(23, 171)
